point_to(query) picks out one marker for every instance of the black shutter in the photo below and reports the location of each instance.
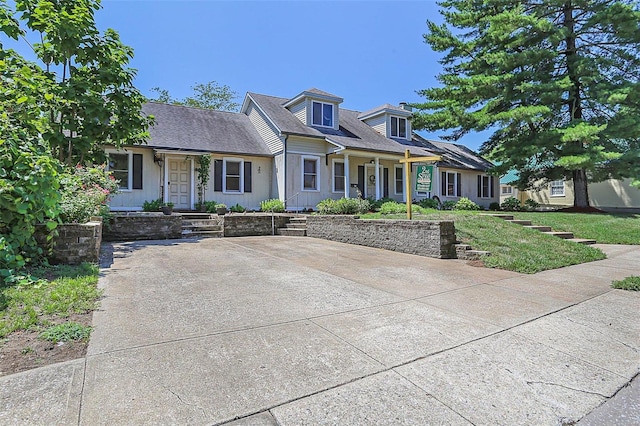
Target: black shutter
(479, 186)
(491, 190)
(459, 188)
(443, 184)
(137, 171)
(247, 176)
(217, 175)
(361, 179)
(385, 181)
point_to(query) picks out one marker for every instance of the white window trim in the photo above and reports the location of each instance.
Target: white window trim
(506, 190)
(317, 160)
(224, 175)
(333, 176)
(129, 154)
(333, 114)
(551, 194)
(406, 127)
(395, 181)
(455, 184)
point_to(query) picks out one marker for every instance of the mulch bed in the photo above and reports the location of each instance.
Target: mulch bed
(575, 209)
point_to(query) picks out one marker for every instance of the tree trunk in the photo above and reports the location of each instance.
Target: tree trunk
(580, 190)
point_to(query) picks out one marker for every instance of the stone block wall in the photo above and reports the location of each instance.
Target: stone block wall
(425, 238)
(143, 226)
(239, 225)
(74, 243)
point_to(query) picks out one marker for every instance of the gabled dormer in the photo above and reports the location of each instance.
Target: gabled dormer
(316, 108)
(389, 120)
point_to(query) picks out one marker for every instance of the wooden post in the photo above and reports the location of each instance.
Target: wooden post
(407, 182)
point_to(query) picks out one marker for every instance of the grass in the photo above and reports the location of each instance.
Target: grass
(55, 292)
(604, 228)
(631, 283)
(512, 247)
(66, 332)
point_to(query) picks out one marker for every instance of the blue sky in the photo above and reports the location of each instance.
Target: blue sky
(367, 52)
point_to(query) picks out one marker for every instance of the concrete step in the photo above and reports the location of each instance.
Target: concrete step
(499, 216)
(202, 234)
(298, 220)
(539, 228)
(564, 235)
(585, 241)
(202, 228)
(292, 232)
(519, 222)
(201, 222)
(297, 225)
(195, 216)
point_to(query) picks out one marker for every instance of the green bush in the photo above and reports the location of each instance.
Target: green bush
(343, 206)
(465, 204)
(272, 205)
(448, 205)
(511, 204)
(85, 192)
(393, 207)
(531, 205)
(152, 206)
(494, 206)
(428, 203)
(237, 208)
(374, 205)
(210, 206)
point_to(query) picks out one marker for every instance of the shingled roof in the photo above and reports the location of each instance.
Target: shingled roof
(353, 133)
(184, 128)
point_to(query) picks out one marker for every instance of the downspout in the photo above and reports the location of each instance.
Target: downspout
(284, 152)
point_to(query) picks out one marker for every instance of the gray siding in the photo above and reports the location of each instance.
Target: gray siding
(300, 111)
(266, 130)
(379, 124)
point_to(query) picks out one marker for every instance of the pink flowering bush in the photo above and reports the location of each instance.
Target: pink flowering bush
(85, 192)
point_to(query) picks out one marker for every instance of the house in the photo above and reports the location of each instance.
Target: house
(300, 150)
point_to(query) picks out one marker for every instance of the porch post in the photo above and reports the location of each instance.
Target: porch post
(346, 176)
(377, 178)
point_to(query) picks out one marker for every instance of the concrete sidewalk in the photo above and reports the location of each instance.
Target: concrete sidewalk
(290, 331)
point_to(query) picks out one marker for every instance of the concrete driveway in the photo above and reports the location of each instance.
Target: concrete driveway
(291, 331)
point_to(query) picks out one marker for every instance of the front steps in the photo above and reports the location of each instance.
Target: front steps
(297, 227)
(544, 229)
(201, 225)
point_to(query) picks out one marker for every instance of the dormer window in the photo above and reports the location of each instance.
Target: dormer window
(322, 114)
(398, 127)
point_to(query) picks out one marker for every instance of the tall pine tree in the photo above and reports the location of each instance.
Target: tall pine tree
(558, 83)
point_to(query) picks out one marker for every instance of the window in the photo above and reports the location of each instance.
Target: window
(338, 176)
(507, 190)
(485, 186)
(310, 173)
(398, 127)
(322, 114)
(451, 184)
(557, 188)
(399, 180)
(126, 168)
(232, 175)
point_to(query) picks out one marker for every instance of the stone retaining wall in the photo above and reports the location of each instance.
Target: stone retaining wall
(74, 243)
(143, 226)
(425, 238)
(239, 225)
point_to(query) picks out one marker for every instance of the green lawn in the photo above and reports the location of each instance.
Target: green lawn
(512, 247)
(604, 228)
(56, 292)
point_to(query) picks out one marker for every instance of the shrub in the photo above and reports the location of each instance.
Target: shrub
(429, 203)
(393, 207)
(531, 204)
(152, 206)
(272, 205)
(465, 204)
(210, 206)
(343, 206)
(448, 205)
(85, 192)
(494, 206)
(511, 204)
(374, 205)
(237, 208)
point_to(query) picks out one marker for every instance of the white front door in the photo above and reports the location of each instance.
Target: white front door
(179, 183)
(370, 180)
